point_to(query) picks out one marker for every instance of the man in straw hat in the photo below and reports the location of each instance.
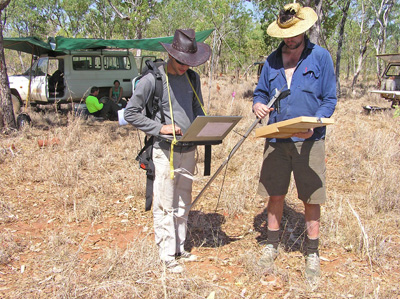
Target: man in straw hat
(181, 103)
(307, 70)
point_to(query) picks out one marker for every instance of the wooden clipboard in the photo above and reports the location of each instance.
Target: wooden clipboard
(285, 129)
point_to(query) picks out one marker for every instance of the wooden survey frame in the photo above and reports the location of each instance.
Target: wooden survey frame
(285, 129)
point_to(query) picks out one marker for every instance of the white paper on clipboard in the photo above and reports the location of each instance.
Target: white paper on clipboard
(210, 128)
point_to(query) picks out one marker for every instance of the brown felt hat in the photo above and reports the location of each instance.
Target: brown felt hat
(186, 49)
(293, 20)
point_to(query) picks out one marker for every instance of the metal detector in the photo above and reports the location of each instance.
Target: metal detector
(279, 95)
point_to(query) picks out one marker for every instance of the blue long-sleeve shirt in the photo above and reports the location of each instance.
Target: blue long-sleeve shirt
(312, 89)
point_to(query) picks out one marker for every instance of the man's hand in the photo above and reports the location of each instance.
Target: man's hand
(305, 135)
(261, 110)
(168, 130)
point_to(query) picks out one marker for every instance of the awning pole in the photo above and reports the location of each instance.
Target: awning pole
(29, 86)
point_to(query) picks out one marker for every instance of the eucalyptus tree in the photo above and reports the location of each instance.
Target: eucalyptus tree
(232, 21)
(344, 9)
(175, 14)
(383, 15)
(372, 19)
(315, 31)
(134, 16)
(393, 33)
(27, 18)
(7, 119)
(68, 17)
(43, 19)
(100, 20)
(270, 11)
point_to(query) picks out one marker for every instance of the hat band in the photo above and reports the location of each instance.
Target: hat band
(184, 50)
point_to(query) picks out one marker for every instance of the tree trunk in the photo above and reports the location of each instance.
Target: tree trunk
(382, 19)
(359, 64)
(21, 61)
(7, 119)
(363, 43)
(345, 10)
(315, 31)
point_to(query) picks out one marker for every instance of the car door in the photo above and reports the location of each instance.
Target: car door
(39, 81)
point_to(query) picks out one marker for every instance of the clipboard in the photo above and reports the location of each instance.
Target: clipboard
(285, 129)
(206, 130)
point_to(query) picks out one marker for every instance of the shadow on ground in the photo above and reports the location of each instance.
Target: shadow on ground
(204, 230)
(292, 228)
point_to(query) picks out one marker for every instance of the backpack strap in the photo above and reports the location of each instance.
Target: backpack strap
(155, 105)
(145, 155)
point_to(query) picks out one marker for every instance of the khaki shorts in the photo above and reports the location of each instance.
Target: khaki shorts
(306, 160)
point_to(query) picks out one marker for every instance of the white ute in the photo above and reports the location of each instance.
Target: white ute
(390, 79)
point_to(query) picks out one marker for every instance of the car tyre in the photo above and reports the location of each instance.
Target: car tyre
(23, 120)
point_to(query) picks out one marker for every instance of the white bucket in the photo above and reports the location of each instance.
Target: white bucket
(121, 119)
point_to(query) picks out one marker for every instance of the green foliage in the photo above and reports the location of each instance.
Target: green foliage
(270, 11)
(26, 18)
(234, 40)
(240, 33)
(69, 16)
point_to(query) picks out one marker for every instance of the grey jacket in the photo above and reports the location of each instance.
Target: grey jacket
(185, 105)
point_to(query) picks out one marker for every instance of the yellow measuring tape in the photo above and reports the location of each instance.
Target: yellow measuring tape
(175, 141)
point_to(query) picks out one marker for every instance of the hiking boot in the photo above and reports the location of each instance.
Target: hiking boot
(186, 256)
(269, 254)
(313, 271)
(173, 267)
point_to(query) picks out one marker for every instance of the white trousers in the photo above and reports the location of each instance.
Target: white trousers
(171, 200)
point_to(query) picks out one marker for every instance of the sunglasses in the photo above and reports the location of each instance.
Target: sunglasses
(181, 63)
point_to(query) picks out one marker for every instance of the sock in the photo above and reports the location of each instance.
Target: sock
(312, 246)
(273, 237)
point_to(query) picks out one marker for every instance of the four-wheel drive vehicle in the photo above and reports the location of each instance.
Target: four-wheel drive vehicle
(389, 88)
(65, 69)
(69, 77)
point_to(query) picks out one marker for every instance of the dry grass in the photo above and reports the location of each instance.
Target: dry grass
(73, 223)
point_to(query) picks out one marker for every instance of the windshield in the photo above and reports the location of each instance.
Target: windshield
(39, 68)
(393, 70)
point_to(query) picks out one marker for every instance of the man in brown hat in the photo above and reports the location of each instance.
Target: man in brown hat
(307, 70)
(181, 103)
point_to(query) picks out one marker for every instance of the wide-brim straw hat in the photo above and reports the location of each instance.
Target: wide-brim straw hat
(293, 20)
(186, 49)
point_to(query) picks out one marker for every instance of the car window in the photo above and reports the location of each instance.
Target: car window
(41, 67)
(393, 70)
(84, 63)
(116, 63)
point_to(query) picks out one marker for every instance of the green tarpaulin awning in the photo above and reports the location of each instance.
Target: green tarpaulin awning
(151, 44)
(31, 45)
(37, 47)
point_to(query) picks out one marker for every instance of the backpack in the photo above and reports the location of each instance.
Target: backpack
(152, 107)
